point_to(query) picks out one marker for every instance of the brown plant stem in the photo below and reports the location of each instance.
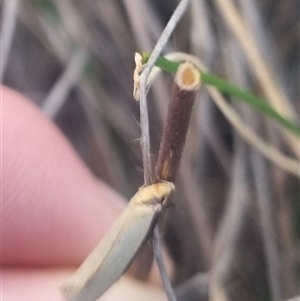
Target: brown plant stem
(186, 84)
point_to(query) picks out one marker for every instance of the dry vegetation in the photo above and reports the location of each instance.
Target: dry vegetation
(235, 227)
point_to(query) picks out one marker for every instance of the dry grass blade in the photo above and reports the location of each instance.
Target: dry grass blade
(264, 195)
(243, 43)
(8, 23)
(230, 226)
(263, 72)
(58, 95)
(157, 249)
(145, 137)
(269, 151)
(161, 43)
(265, 201)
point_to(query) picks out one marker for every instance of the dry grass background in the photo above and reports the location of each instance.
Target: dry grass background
(235, 227)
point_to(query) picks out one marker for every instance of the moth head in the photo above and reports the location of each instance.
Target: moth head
(157, 193)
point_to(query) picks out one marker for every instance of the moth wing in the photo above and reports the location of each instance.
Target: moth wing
(90, 265)
(106, 264)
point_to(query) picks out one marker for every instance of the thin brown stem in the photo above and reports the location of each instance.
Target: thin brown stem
(186, 84)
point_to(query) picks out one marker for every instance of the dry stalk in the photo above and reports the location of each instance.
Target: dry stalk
(262, 71)
(145, 140)
(187, 83)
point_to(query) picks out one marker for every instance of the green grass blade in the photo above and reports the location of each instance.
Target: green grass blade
(162, 63)
(229, 89)
(256, 102)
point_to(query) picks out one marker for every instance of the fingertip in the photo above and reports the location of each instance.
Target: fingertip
(54, 210)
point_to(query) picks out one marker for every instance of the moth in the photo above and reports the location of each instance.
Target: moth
(112, 256)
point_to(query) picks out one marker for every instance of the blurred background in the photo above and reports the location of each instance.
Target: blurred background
(234, 231)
